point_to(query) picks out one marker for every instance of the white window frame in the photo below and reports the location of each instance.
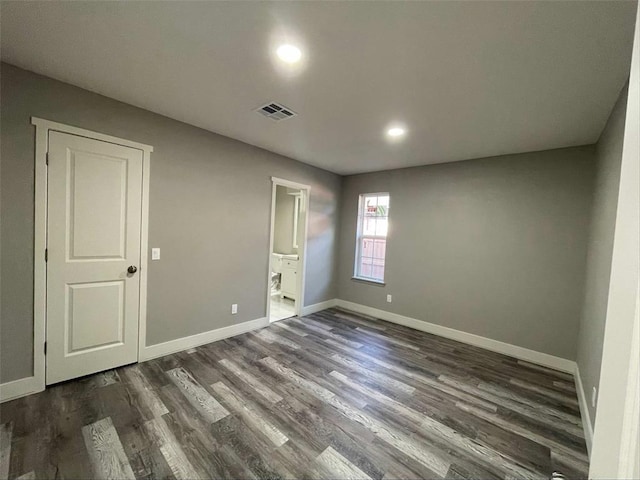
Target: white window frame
(360, 237)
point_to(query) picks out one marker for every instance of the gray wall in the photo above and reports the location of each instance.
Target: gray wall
(210, 200)
(600, 249)
(494, 247)
(283, 222)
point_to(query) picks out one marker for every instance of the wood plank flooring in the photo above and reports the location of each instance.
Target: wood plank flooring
(334, 395)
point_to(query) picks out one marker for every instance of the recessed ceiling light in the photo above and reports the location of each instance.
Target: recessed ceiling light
(289, 53)
(396, 132)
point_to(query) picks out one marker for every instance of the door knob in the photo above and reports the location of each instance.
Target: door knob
(132, 269)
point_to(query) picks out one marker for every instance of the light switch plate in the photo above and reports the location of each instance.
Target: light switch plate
(155, 254)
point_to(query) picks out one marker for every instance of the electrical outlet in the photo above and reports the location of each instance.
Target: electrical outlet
(155, 254)
(389, 298)
(234, 308)
(594, 397)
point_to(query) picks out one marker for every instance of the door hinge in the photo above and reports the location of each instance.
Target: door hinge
(45, 348)
(46, 254)
(47, 158)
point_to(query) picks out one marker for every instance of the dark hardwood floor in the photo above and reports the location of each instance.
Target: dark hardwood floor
(333, 395)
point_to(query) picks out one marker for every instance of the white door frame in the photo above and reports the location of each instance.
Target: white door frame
(302, 248)
(616, 436)
(43, 127)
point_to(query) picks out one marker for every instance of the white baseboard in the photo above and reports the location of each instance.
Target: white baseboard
(544, 359)
(584, 411)
(180, 344)
(29, 385)
(539, 358)
(317, 307)
(19, 388)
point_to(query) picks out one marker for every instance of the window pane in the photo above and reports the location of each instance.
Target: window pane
(381, 227)
(379, 247)
(367, 247)
(371, 206)
(382, 205)
(377, 272)
(365, 270)
(369, 226)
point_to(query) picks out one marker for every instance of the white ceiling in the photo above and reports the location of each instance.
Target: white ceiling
(469, 79)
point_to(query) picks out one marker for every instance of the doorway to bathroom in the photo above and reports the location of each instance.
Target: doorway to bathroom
(287, 247)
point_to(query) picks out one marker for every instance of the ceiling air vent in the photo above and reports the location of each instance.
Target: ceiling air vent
(276, 112)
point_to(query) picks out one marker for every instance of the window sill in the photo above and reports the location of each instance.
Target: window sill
(368, 280)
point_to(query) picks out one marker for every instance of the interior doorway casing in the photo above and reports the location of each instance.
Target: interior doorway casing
(43, 128)
(302, 248)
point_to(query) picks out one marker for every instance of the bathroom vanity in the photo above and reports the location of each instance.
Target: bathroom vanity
(287, 266)
(289, 279)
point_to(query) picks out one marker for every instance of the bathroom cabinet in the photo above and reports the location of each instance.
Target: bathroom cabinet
(289, 279)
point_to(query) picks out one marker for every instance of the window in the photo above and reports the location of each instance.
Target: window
(371, 237)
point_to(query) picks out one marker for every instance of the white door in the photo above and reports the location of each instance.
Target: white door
(93, 244)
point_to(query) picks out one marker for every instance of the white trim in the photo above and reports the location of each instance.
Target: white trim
(296, 214)
(357, 263)
(43, 127)
(39, 264)
(272, 222)
(291, 184)
(318, 307)
(144, 252)
(629, 461)
(180, 344)
(302, 249)
(81, 132)
(584, 410)
(20, 388)
(613, 440)
(539, 358)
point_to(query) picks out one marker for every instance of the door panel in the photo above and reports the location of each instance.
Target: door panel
(98, 311)
(97, 206)
(93, 229)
